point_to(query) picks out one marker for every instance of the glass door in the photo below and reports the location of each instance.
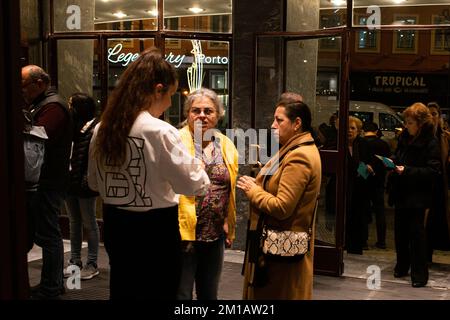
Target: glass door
(312, 66)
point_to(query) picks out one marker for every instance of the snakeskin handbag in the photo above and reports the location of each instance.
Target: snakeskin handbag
(285, 243)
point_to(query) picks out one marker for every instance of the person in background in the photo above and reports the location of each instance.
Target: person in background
(412, 183)
(49, 110)
(288, 198)
(357, 195)
(376, 180)
(80, 203)
(138, 164)
(207, 222)
(438, 222)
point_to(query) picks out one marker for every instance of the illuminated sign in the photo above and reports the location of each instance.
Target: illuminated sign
(115, 55)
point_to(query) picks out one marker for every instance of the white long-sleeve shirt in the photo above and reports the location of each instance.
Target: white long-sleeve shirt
(157, 168)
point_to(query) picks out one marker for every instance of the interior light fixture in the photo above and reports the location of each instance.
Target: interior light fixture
(153, 12)
(196, 9)
(398, 1)
(338, 2)
(119, 14)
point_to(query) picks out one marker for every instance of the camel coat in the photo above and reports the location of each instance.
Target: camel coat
(288, 201)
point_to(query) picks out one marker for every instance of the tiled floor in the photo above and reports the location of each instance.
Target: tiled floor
(351, 286)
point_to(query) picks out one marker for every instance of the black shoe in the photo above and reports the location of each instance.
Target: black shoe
(36, 290)
(419, 284)
(39, 295)
(398, 274)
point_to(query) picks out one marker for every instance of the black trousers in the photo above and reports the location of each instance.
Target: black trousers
(144, 253)
(410, 242)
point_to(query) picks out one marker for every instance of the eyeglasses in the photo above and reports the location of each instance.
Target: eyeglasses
(206, 111)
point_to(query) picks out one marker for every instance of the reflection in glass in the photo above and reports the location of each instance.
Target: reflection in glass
(199, 63)
(326, 211)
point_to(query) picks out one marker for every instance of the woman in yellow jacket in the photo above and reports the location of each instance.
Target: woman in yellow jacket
(207, 223)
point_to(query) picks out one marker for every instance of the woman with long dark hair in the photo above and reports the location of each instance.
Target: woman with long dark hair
(139, 165)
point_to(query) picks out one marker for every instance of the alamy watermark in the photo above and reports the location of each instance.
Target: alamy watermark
(74, 280)
(374, 280)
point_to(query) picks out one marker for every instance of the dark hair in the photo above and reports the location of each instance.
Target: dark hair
(434, 105)
(132, 95)
(83, 107)
(370, 127)
(298, 109)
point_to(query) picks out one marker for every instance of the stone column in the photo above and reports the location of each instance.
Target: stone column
(75, 57)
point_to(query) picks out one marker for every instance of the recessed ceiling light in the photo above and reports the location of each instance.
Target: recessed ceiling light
(338, 2)
(119, 14)
(398, 1)
(196, 9)
(153, 12)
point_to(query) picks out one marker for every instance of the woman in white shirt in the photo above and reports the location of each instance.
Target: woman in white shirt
(138, 164)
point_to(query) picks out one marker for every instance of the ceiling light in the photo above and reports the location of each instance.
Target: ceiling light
(120, 14)
(398, 1)
(153, 12)
(196, 9)
(338, 2)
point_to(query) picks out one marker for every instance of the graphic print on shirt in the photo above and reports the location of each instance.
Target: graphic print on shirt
(127, 187)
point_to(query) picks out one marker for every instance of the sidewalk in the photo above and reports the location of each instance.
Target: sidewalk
(351, 286)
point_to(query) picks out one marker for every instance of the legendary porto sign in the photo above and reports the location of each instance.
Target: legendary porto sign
(115, 55)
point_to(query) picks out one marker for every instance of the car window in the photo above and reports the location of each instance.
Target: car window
(388, 122)
(363, 116)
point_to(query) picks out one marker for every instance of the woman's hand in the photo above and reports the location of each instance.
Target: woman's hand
(228, 242)
(399, 169)
(246, 183)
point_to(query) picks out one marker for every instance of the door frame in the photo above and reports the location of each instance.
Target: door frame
(328, 258)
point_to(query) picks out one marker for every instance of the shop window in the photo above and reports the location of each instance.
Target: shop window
(172, 24)
(329, 21)
(197, 67)
(218, 80)
(405, 41)
(201, 16)
(367, 40)
(440, 39)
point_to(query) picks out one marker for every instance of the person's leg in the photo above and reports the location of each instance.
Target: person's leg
(31, 217)
(419, 266)
(401, 230)
(152, 236)
(76, 229)
(87, 208)
(209, 270)
(380, 218)
(188, 270)
(48, 236)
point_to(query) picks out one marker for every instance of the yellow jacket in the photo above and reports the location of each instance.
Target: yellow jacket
(186, 210)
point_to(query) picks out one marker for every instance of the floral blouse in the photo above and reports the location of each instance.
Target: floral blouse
(212, 208)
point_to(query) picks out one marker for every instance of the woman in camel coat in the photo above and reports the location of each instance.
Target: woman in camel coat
(288, 198)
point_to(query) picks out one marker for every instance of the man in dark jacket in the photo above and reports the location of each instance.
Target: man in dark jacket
(49, 110)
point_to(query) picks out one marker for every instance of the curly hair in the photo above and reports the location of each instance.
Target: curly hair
(421, 114)
(133, 94)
